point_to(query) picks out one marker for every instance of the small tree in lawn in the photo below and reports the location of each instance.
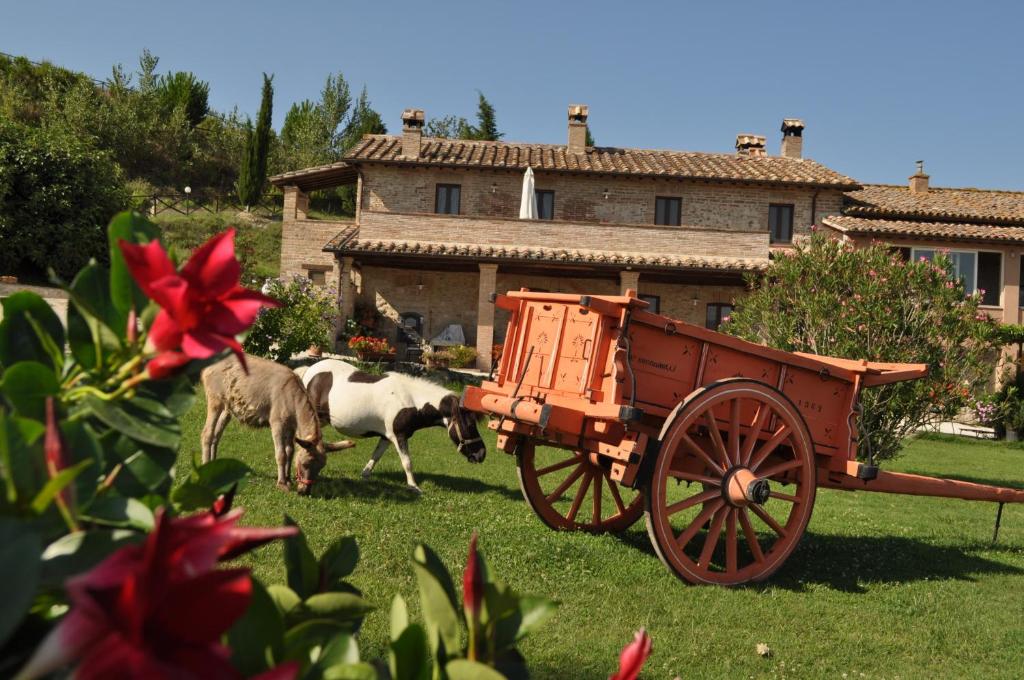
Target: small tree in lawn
(253, 172)
(827, 297)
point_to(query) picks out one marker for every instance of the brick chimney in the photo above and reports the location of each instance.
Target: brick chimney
(919, 180)
(578, 128)
(412, 132)
(750, 145)
(792, 138)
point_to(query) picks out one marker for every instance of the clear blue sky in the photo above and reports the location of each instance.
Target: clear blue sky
(879, 84)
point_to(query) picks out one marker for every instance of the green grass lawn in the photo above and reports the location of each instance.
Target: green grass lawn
(882, 586)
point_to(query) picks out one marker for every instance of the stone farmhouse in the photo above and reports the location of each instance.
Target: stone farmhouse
(436, 229)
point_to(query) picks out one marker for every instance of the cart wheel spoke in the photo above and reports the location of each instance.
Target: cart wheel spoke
(780, 468)
(692, 501)
(698, 523)
(696, 448)
(734, 432)
(574, 460)
(769, 520)
(716, 437)
(566, 483)
(714, 532)
(748, 531)
(691, 477)
(769, 447)
(580, 495)
(751, 441)
(597, 498)
(730, 541)
(784, 496)
(617, 497)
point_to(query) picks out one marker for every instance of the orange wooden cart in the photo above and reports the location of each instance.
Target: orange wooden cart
(613, 412)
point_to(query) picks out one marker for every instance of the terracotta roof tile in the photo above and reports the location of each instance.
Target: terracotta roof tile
(849, 224)
(348, 242)
(609, 160)
(945, 205)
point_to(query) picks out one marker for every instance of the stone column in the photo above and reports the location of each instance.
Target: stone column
(296, 204)
(346, 289)
(485, 316)
(1011, 286)
(629, 280)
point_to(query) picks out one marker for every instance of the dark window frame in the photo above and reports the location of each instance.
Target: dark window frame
(654, 302)
(678, 201)
(545, 192)
(771, 233)
(448, 189)
(720, 314)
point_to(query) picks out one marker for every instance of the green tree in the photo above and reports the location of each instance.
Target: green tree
(253, 172)
(827, 297)
(447, 127)
(312, 131)
(590, 138)
(363, 121)
(486, 127)
(184, 90)
(56, 195)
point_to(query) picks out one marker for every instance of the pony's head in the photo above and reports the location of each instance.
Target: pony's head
(461, 425)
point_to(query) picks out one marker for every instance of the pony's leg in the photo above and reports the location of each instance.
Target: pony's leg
(402, 446)
(218, 431)
(382, 446)
(282, 452)
(210, 434)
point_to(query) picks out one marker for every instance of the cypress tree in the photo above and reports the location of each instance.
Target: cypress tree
(253, 172)
(487, 125)
(590, 138)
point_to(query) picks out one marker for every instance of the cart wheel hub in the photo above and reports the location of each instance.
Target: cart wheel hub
(741, 487)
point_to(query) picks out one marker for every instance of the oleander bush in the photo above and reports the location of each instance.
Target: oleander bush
(305, 318)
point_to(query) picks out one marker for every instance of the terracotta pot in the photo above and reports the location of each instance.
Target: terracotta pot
(375, 356)
(315, 351)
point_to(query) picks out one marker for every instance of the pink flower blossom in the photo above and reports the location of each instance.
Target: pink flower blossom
(633, 657)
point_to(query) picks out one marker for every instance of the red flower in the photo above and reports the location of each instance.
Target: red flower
(633, 657)
(158, 610)
(203, 307)
(472, 582)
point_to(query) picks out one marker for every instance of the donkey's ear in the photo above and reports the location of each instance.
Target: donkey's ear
(306, 444)
(339, 446)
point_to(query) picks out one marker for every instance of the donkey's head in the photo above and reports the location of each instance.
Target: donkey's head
(310, 459)
(461, 425)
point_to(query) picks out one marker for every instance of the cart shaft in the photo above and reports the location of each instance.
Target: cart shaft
(919, 485)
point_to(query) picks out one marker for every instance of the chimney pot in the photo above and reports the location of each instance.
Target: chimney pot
(412, 132)
(750, 145)
(919, 180)
(578, 114)
(792, 138)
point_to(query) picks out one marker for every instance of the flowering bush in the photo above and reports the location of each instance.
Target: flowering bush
(827, 297)
(305, 319)
(365, 344)
(461, 355)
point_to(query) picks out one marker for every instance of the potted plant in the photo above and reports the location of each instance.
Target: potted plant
(437, 358)
(461, 356)
(368, 348)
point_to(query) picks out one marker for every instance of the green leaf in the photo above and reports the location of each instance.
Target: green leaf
(26, 385)
(83, 444)
(464, 669)
(408, 657)
(176, 394)
(339, 560)
(437, 598)
(55, 485)
(352, 671)
(284, 598)
(336, 606)
(189, 496)
(299, 563)
(534, 611)
(133, 228)
(399, 616)
(20, 550)
(120, 512)
(300, 640)
(20, 457)
(49, 345)
(257, 638)
(220, 474)
(137, 419)
(340, 651)
(79, 552)
(95, 328)
(18, 339)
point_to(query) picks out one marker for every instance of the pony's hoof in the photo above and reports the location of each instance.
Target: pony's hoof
(284, 486)
(415, 489)
(365, 474)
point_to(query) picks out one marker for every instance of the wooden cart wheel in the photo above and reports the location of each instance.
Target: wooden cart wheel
(723, 506)
(570, 493)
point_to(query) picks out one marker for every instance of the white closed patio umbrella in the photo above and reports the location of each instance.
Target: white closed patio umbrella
(528, 203)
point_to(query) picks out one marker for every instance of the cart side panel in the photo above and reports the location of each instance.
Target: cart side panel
(665, 367)
(725, 362)
(825, 404)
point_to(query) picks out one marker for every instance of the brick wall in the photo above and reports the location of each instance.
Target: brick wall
(302, 243)
(732, 207)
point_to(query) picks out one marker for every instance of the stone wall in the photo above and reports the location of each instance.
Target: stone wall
(302, 243)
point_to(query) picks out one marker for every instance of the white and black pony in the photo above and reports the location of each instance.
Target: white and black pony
(391, 406)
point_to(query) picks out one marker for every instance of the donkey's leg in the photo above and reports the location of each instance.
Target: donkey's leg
(214, 409)
(382, 447)
(218, 431)
(283, 443)
(402, 446)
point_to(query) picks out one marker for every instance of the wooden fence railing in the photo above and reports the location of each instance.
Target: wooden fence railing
(186, 204)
